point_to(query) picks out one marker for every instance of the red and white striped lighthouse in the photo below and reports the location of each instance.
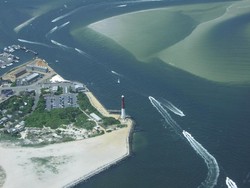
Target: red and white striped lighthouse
(123, 113)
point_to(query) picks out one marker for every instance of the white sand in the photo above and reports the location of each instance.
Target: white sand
(60, 164)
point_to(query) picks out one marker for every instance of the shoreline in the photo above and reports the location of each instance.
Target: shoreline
(69, 163)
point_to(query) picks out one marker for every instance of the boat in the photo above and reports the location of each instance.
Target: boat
(3, 67)
(118, 81)
(9, 64)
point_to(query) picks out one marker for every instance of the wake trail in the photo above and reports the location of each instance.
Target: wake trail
(230, 183)
(56, 28)
(212, 165)
(33, 42)
(173, 108)
(84, 53)
(65, 15)
(165, 115)
(116, 73)
(60, 45)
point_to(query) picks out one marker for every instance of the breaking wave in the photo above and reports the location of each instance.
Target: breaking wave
(230, 183)
(212, 165)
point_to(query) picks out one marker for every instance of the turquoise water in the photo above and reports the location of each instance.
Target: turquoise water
(217, 115)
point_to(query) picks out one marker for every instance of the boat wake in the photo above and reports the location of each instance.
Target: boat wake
(65, 15)
(165, 115)
(230, 183)
(52, 31)
(212, 165)
(33, 42)
(60, 45)
(56, 28)
(116, 73)
(172, 108)
(83, 53)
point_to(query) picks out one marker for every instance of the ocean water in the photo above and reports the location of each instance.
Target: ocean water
(216, 114)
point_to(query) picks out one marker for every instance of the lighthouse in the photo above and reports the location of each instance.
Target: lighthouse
(123, 113)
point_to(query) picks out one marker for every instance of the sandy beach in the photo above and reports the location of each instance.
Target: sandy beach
(59, 165)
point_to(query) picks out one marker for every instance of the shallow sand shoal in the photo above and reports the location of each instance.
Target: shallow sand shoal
(58, 165)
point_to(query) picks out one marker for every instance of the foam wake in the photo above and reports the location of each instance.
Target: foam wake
(230, 183)
(212, 165)
(33, 42)
(165, 115)
(60, 45)
(83, 53)
(54, 29)
(116, 73)
(173, 108)
(65, 15)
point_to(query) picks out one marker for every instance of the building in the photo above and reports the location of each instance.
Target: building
(61, 101)
(95, 117)
(28, 79)
(39, 65)
(7, 92)
(20, 73)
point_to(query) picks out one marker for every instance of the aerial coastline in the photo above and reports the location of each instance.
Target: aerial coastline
(64, 163)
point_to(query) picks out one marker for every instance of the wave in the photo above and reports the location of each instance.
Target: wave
(33, 42)
(60, 45)
(173, 108)
(165, 115)
(212, 165)
(230, 183)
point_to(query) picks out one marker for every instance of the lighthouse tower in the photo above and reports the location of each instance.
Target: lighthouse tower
(123, 113)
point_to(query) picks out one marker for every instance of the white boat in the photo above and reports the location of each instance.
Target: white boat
(118, 81)
(9, 64)
(3, 67)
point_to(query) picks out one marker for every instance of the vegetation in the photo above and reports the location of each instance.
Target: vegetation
(22, 103)
(109, 121)
(59, 91)
(56, 117)
(85, 105)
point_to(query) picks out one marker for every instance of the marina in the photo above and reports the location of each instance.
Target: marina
(7, 58)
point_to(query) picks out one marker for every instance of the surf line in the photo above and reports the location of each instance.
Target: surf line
(212, 165)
